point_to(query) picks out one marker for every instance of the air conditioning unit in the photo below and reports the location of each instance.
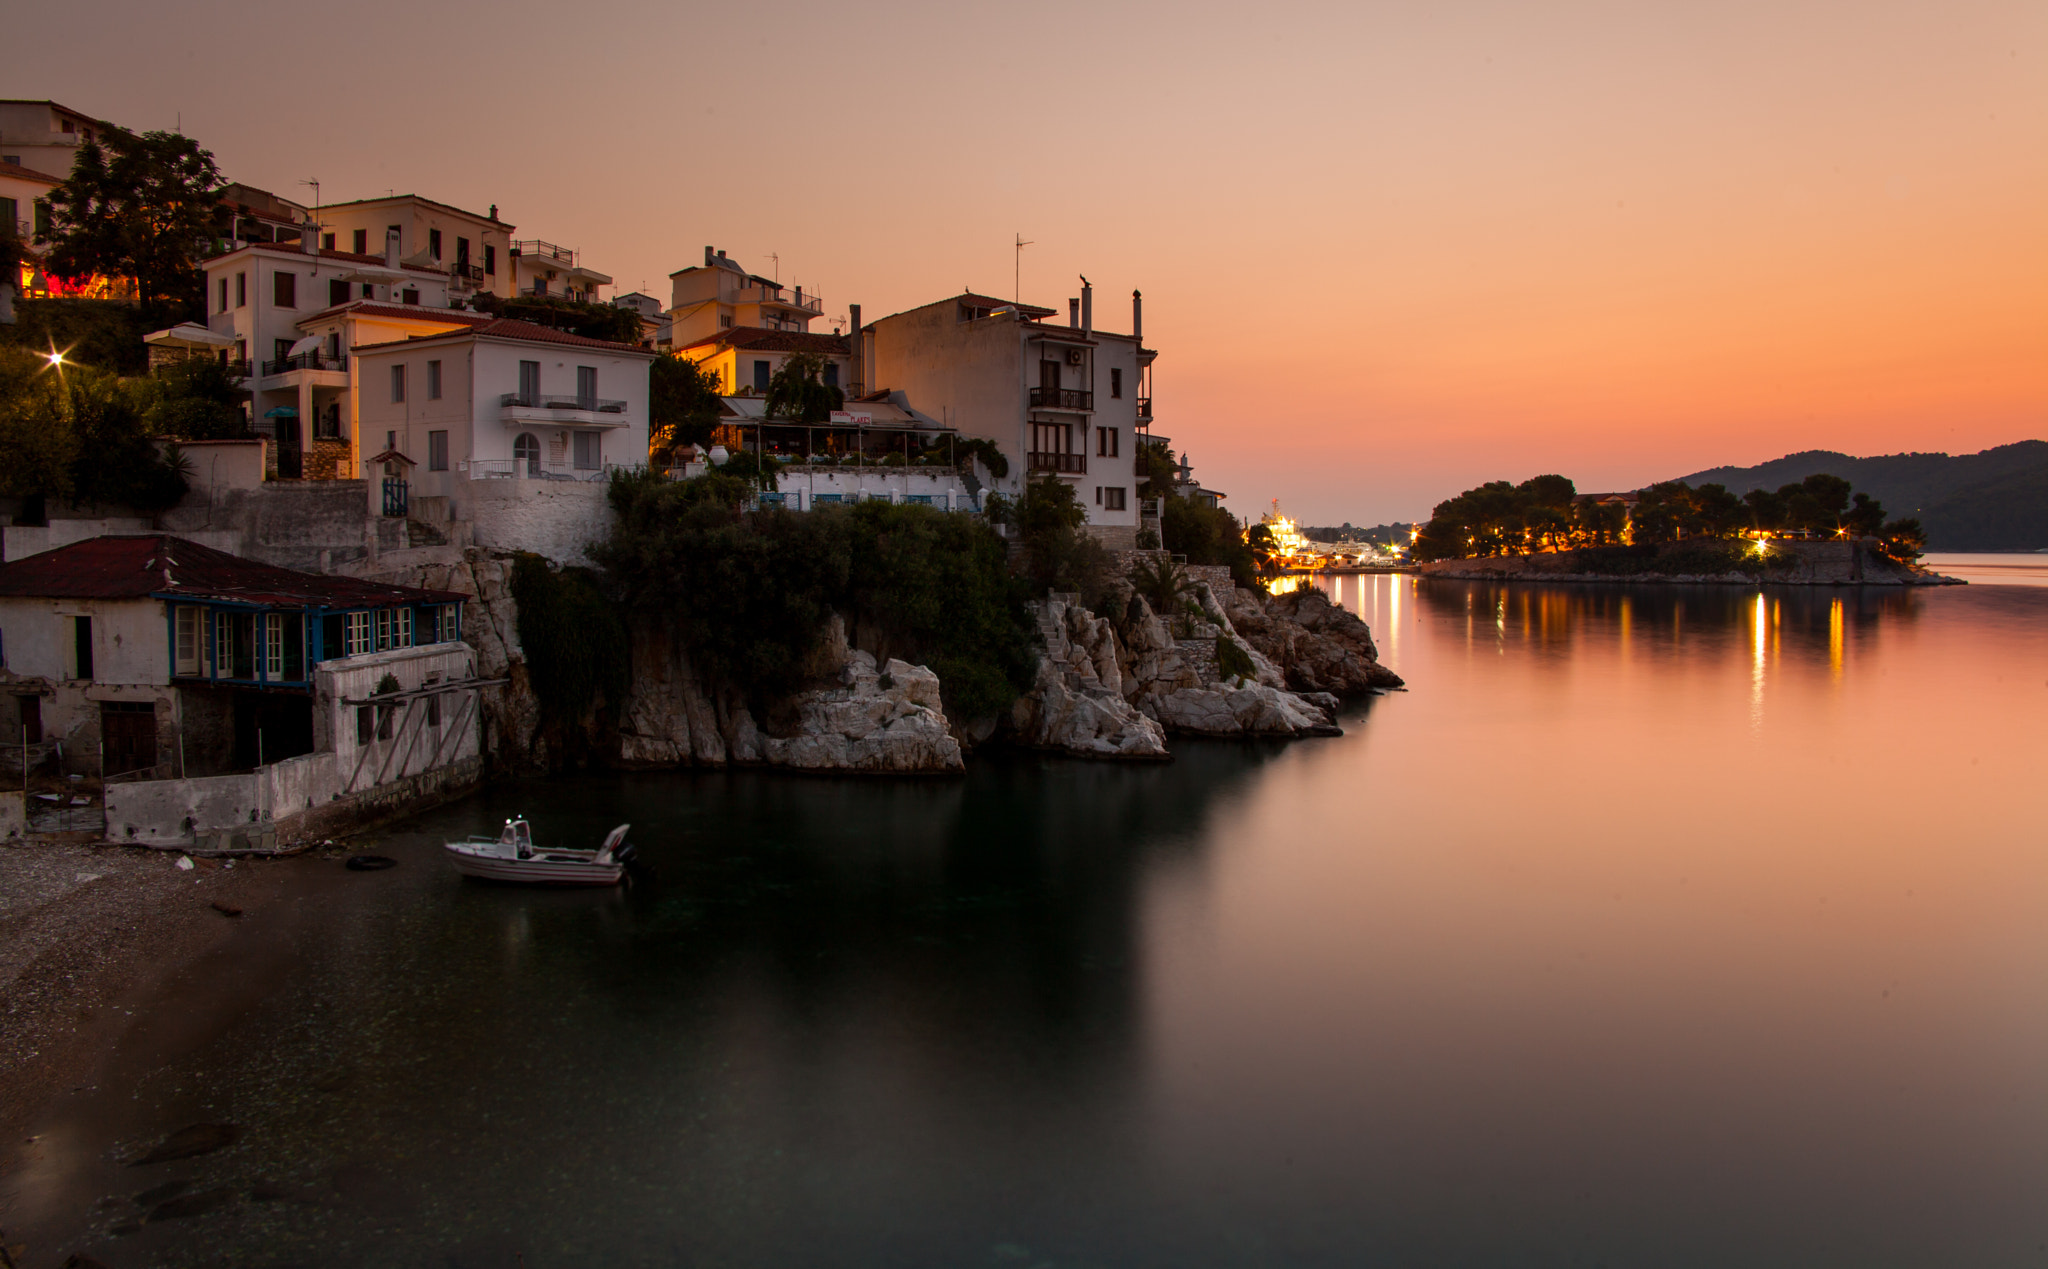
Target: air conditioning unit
(1074, 356)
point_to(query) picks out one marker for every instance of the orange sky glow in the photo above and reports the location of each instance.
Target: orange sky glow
(1388, 250)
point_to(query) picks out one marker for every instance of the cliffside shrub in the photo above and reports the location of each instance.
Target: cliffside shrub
(1207, 535)
(574, 636)
(751, 594)
(1233, 661)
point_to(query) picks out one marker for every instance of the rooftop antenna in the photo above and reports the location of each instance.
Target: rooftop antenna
(315, 183)
(1017, 274)
(776, 261)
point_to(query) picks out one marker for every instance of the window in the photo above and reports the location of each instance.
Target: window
(1113, 499)
(761, 372)
(490, 259)
(284, 289)
(401, 627)
(366, 724)
(185, 640)
(433, 381)
(725, 319)
(451, 624)
(437, 451)
(42, 222)
(410, 295)
(589, 450)
(462, 251)
(327, 242)
(529, 383)
(358, 639)
(10, 212)
(1106, 442)
(223, 295)
(384, 629)
(241, 289)
(81, 647)
(1053, 438)
(30, 722)
(831, 374)
(434, 243)
(362, 242)
(397, 383)
(526, 454)
(1116, 381)
(586, 387)
(281, 349)
(337, 291)
(369, 291)
(273, 645)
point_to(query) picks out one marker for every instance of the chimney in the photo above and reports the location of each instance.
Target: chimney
(853, 345)
(391, 247)
(309, 238)
(494, 211)
(721, 255)
(707, 257)
(1087, 306)
(1074, 313)
(1138, 317)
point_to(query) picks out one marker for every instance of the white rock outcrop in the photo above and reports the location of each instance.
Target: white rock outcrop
(1077, 704)
(879, 720)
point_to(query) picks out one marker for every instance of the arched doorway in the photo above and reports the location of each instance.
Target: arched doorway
(526, 454)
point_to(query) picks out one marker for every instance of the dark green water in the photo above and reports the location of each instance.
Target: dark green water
(1673, 927)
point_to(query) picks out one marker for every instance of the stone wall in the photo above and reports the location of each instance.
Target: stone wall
(558, 520)
(312, 525)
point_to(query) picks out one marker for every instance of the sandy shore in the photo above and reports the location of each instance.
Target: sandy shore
(85, 931)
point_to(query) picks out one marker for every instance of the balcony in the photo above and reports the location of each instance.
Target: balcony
(1062, 399)
(552, 401)
(463, 274)
(1064, 464)
(304, 361)
(534, 248)
(801, 302)
(1144, 409)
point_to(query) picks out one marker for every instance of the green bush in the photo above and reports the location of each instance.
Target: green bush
(574, 637)
(1207, 535)
(1233, 661)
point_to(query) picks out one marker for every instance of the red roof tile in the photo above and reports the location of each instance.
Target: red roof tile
(415, 312)
(27, 174)
(512, 328)
(136, 566)
(761, 339)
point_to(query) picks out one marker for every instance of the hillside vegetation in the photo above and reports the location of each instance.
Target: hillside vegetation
(1996, 500)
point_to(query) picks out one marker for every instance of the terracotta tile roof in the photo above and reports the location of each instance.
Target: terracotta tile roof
(137, 566)
(292, 249)
(412, 312)
(512, 328)
(761, 339)
(19, 172)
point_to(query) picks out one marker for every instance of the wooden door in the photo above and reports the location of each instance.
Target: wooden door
(128, 733)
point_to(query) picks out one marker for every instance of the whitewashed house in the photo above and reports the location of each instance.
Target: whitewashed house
(473, 252)
(543, 269)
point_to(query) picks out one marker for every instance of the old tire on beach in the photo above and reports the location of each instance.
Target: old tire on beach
(370, 863)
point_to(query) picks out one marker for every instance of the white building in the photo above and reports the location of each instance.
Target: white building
(45, 136)
(259, 295)
(543, 268)
(474, 252)
(719, 295)
(1063, 400)
(506, 429)
(25, 212)
(654, 323)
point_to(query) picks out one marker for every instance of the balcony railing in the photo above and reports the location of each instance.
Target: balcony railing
(535, 469)
(1061, 399)
(304, 361)
(1144, 409)
(1067, 464)
(550, 401)
(808, 302)
(532, 248)
(463, 272)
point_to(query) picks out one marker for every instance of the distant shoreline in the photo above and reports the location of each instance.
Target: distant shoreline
(1823, 563)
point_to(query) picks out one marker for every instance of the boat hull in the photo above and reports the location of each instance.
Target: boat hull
(537, 871)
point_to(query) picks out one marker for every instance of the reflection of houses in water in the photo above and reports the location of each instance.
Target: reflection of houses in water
(152, 659)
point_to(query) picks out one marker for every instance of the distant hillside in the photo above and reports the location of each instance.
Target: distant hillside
(1993, 501)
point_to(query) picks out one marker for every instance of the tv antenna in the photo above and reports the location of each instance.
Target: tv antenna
(775, 261)
(316, 195)
(1017, 273)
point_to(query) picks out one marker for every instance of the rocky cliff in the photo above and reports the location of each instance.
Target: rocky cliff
(1110, 685)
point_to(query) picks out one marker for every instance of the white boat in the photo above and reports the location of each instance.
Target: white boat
(512, 856)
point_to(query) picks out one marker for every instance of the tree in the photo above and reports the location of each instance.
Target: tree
(1207, 535)
(193, 400)
(141, 206)
(798, 391)
(559, 312)
(1058, 554)
(683, 406)
(75, 433)
(1160, 469)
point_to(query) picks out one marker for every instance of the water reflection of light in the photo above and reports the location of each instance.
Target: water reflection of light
(1835, 639)
(1759, 635)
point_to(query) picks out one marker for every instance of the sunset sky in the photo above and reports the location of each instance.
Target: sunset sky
(1388, 250)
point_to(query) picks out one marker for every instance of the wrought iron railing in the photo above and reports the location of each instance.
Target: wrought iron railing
(462, 271)
(551, 401)
(533, 248)
(1066, 463)
(1062, 399)
(397, 497)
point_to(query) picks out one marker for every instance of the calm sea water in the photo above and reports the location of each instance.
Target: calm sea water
(1652, 926)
